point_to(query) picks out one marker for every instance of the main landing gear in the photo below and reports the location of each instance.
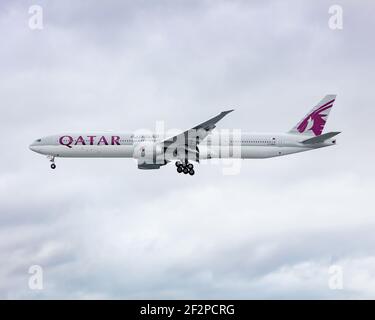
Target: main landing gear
(186, 168)
(52, 159)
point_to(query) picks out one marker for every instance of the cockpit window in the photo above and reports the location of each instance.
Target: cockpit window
(38, 140)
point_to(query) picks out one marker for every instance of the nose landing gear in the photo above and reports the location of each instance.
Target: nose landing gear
(186, 168)
(52, 159)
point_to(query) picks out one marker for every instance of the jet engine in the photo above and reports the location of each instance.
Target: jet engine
(149, 155)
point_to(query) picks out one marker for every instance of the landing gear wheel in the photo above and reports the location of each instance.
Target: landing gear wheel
(53, 166)
(191, 172)
(179, 169)
(186, 170)
(178, 164)
(190, 166)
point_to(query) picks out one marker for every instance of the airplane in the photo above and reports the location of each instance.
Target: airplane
(201, 142)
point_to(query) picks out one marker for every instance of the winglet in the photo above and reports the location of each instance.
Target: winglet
(228, 111)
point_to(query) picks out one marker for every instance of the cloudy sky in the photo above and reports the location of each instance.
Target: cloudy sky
(101, 228)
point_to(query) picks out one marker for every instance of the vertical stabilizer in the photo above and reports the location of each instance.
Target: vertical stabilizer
(313, 123)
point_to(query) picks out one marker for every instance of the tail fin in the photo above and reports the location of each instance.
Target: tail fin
(313, 123)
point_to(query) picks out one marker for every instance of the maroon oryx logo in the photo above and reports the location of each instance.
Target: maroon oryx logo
(316, 120)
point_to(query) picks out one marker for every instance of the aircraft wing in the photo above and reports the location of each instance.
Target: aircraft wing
(190, 139)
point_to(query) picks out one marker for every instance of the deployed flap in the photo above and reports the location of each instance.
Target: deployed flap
(320, 138)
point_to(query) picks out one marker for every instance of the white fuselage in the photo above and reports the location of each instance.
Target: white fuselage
(216, 145)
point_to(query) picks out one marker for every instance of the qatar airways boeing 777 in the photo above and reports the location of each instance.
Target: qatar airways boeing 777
(155, 150)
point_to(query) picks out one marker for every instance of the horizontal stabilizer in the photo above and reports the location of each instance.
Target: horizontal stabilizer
(321, 138)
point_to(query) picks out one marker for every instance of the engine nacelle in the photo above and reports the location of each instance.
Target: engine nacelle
(145, 166)
(148, 154)
(207, 153)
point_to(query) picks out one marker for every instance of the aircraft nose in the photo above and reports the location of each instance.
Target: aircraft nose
(32, 147)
